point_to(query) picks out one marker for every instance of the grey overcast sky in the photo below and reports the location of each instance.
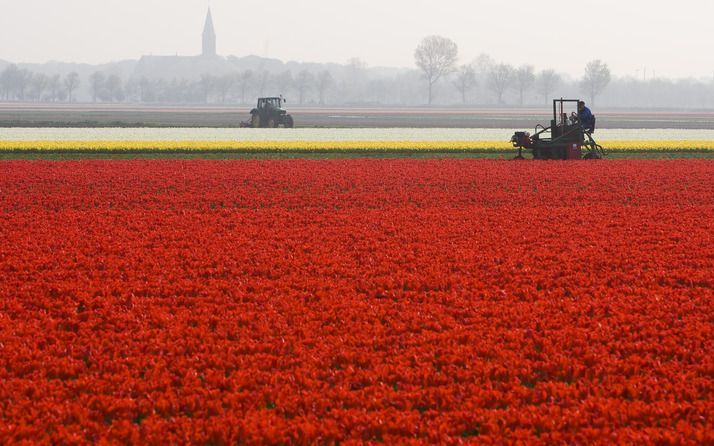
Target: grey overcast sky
(669, 39)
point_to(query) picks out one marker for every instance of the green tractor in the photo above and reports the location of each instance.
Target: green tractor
(269, 114)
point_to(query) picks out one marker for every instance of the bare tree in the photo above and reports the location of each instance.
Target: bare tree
(14, 81)
(38, 85)
(597, 77)
(132, 89)
(483, 64)
(547, 81)
(182, 91)
(263, 79)
(144, 89)
(6, 82)
(436, 57)
(207, 84)
(224, 84)
(354, 83)
(356, 69)
(160, 90)
(303, 81)
(284, 82)
(465, 81)
(500, 78)
(178, 90)
(23, 81)
(71, 83)
(325, 81)
(114, 90)
(525, 77)
(378, 90)
(53, 86)
(96, 83)
(243, 82)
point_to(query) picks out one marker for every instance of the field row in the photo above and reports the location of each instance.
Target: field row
(324, 134)
(300, 146)
(350, 301)
(309, 118)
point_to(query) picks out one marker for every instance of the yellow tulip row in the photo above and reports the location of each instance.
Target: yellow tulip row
(326, 146)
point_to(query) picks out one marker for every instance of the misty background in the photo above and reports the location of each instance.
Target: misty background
(316, 52)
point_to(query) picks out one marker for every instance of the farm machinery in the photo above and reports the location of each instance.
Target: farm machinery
(269, 113)
(565, 139)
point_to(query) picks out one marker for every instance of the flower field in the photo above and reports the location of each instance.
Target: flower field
(304, 146)
(348, 301)
(319, 141)
(324, 134)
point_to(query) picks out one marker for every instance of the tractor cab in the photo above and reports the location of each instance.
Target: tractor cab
(565, 139)
(270, 103)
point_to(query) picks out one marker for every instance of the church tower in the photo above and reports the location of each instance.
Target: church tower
(209, 37)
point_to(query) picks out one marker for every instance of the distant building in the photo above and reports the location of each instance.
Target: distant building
(187, 67)
(209, 37)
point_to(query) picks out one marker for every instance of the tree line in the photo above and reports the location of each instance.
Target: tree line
(21, 84)
(236, 87)
(438, 79)
(437, 58)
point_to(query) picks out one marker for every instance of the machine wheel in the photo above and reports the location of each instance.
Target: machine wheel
(271, 123)
(289, 123)
(255, 121)
(592, 156)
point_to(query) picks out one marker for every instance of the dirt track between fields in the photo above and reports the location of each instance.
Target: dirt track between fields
(90, 115)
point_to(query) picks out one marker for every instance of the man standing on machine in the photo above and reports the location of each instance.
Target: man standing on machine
(587, 120)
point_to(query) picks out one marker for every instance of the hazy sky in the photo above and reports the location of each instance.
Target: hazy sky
(668, 38)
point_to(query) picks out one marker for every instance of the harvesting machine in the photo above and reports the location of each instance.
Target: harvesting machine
(565, 139)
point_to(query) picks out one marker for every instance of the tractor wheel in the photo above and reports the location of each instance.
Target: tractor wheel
(289, 123)
(592, 156)
(271, 123)
(255, 121)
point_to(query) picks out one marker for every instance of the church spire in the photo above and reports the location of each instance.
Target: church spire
(209, 36)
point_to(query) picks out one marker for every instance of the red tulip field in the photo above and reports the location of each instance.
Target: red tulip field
(345, 301)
